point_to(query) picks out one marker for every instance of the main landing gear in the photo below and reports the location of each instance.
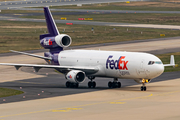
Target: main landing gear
(72, 85)
(114, 84)
(91, 84)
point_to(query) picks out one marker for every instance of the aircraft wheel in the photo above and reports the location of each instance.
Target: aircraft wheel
(71, 85)
(89, 84)
(76, 85)
(110, 84)
(119, 85)
(93, 84)
(114, 84)
(144, 88)
(68, 84)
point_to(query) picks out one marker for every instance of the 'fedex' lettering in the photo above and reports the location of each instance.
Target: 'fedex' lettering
(117, 64)
(48, 42)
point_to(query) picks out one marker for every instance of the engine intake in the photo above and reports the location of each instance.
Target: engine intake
(76, 76)
(63, 40)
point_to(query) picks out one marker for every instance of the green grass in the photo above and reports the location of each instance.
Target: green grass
(23, 36)
(166, 60)
(5, 92)
(141, 18)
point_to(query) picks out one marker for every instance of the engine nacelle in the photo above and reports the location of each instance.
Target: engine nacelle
(63, 40)
(76, 76)
(141, 81)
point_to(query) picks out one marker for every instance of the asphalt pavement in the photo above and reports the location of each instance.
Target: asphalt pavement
(53, 85)
(40, 3)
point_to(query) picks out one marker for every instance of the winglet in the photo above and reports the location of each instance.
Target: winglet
(172, 61)
(51, 26)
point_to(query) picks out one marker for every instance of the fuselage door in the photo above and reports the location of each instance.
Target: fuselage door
(141, 71)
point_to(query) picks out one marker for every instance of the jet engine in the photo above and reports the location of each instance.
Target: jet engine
(63, 40)
(75, 76)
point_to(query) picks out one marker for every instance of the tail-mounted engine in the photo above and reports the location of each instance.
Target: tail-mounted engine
(75, 76)
(61, 40)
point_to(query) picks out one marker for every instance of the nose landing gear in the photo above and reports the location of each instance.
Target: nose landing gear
(143, 87)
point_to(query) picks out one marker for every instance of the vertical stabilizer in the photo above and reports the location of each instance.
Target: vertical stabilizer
(51, 26)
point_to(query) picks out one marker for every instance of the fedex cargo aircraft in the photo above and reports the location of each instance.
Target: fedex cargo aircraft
(76, 65)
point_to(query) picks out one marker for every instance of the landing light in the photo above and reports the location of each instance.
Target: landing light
(145, 80)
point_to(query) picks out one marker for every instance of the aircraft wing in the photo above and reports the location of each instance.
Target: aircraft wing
(87, 70)
(33, 55)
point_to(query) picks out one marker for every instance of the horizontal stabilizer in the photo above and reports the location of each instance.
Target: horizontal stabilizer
(33, 55)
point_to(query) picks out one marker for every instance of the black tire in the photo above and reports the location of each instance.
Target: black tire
(76, 85)
(89, 84)
(110, 84)
(142, 88)
(68, 84)
(93, 84)
(119, 85)
(71, 85)
(114, 85)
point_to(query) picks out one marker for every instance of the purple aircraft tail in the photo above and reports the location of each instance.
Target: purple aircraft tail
(51, 26)
(54, 41)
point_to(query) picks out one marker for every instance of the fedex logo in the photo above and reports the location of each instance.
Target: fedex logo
(70, 76)
(47, 42)
(117, 64)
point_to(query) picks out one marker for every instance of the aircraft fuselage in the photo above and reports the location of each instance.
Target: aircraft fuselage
(131, 65)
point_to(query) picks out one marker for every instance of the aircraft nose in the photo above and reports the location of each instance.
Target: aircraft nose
(159, 69)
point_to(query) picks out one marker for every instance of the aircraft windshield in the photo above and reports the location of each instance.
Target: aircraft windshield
(154, 62)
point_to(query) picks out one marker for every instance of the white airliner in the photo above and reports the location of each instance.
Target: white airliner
(76, 65)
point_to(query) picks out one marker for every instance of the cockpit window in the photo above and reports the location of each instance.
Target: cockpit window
(151, 62)
(158, 62)
(154, 62)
